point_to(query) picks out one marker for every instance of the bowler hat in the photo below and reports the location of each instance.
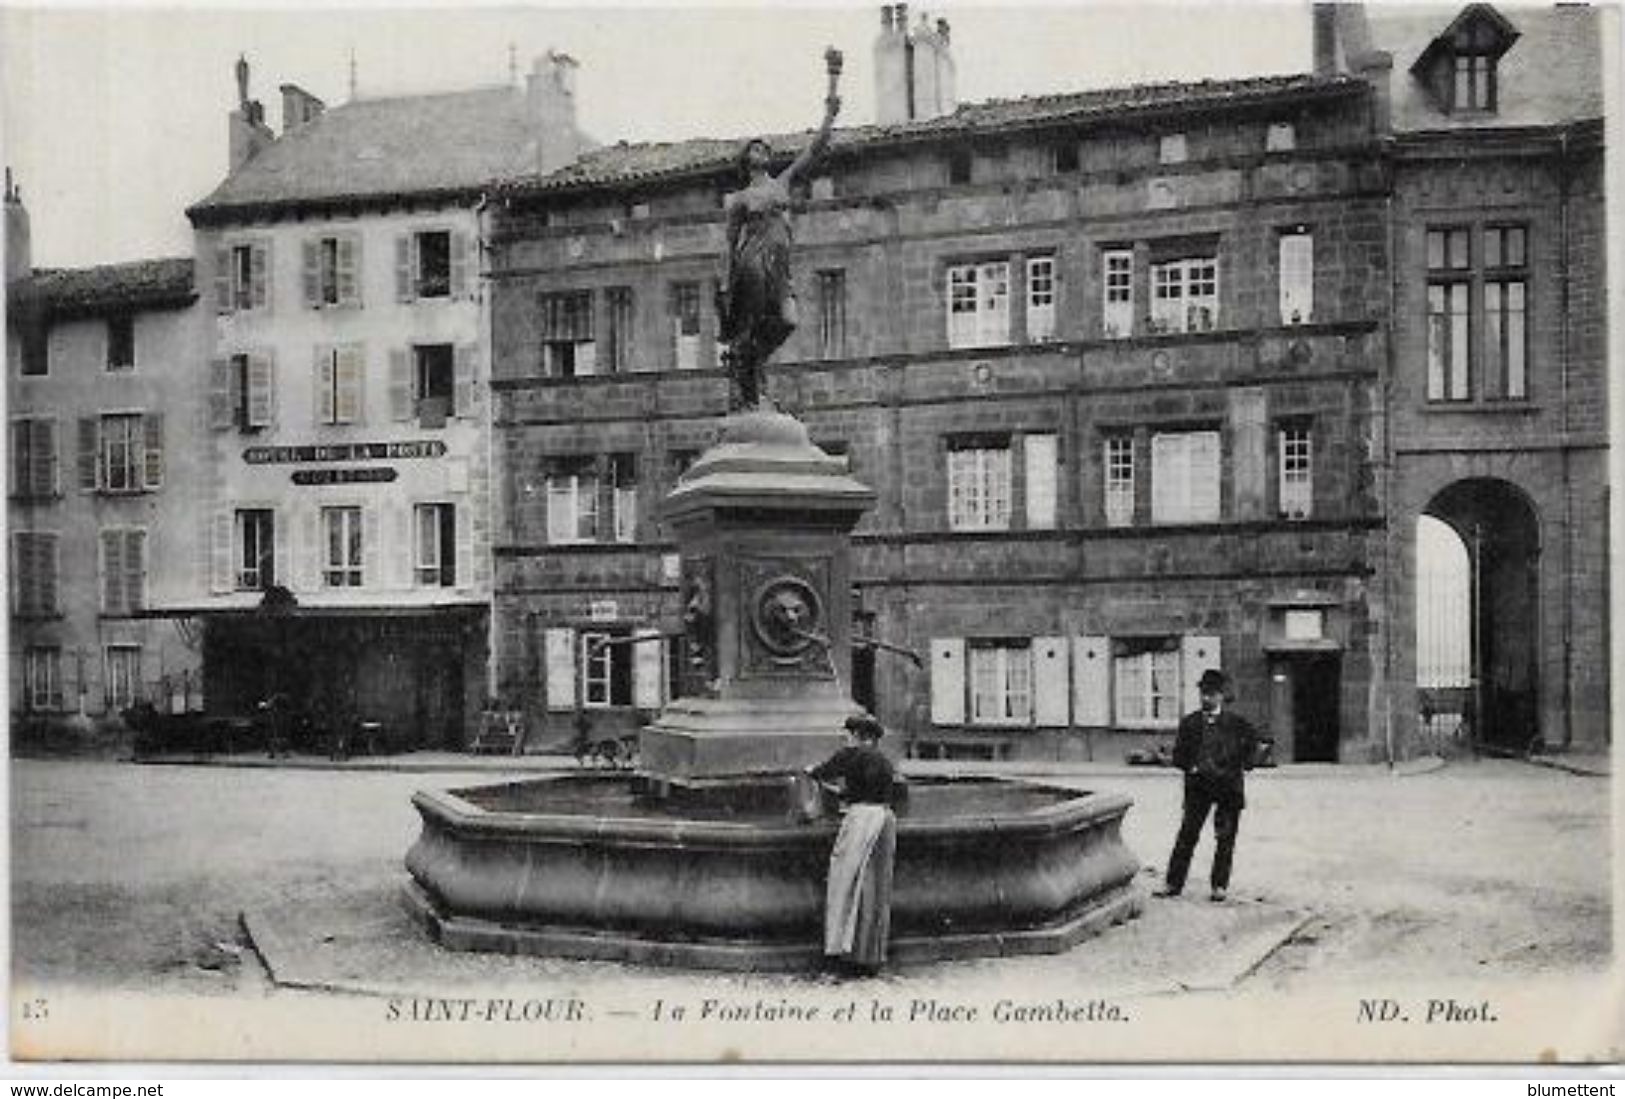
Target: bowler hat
(1212, 680)
(865, 727)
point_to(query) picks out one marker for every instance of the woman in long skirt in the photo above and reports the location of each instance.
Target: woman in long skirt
(857, 912)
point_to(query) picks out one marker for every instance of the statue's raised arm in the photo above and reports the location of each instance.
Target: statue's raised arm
(832, 107)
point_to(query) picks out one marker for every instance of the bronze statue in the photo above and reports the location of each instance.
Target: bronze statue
(756, 305)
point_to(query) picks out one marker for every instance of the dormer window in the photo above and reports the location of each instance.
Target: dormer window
(1459, 66)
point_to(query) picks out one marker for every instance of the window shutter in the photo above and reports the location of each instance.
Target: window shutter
(281, 558)
(261, 389)
(310, 550)
(1197, 653)
(222, 552)
(135, 569)
(372, 546)
(322, 375)
(46, 569)
(351, 366)
(1042, 454)
(948, 681)
(45, 456)
(312, 268)
(222, 280)
(112, 563)
(461, 260)
(464, 563)
(466, 392)
(222, 408)
(152, 432)
(1091, 681)
(403, 562)
(1203, 455)
(403, 268)
(648, 666)
(349, 249)
(90, 478)
(259, 269)
(400, 384)
(1050, 681)
(559, 657)
(21, 442)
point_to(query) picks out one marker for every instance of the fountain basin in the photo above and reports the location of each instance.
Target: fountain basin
(582, 866)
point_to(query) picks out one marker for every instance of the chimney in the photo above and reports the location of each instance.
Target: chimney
(551, 94)
(914, 70)
(19, 243)
(298, 107)
(1325, 39)
(247, 132)
(1376, 68)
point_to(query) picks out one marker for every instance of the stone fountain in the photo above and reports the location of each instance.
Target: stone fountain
(699, 858)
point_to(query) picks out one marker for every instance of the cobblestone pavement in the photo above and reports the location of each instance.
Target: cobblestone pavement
(135, 877)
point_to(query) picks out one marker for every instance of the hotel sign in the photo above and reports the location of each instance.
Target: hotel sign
(343, 452)
(367, 475)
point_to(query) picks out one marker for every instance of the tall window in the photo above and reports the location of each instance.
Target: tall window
(121, 453)
(242, 277)
(1506, 337)
(1185, 295)
(1117, 308)
(1449, 262)
(1185, 477)
(1297, 471)
(606, 670)
(330, 271)
(1041, 298)
(619, 336)
(436, 545)
(34, 563)
(33, 458)
(124, 571)
(685, 324)
(431, 268)
(42, 678)
(120, 343)
(979, 487)
(623, 499)
(1473, 82)
(568, 347)
(1145, 677)
(831, 314)
(1001, 683)
(341, 541)
(256, 548)
(242, 391)
(1297, 274)
(339, 375)
(1119, 462)
(572, 501)
(979, 304)
(434, 379)
(123, 676)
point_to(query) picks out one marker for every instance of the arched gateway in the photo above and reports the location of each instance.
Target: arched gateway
(1478, 633)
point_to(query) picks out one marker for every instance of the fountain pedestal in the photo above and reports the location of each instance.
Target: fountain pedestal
(762, 522)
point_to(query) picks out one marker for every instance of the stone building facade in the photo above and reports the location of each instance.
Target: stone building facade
(102, 441)
(1112, 362)
(1498, 393)
(341, 529)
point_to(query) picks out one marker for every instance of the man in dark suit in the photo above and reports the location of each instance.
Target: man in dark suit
(1214, 748)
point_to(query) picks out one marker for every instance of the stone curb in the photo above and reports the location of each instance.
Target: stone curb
(1598, 768)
